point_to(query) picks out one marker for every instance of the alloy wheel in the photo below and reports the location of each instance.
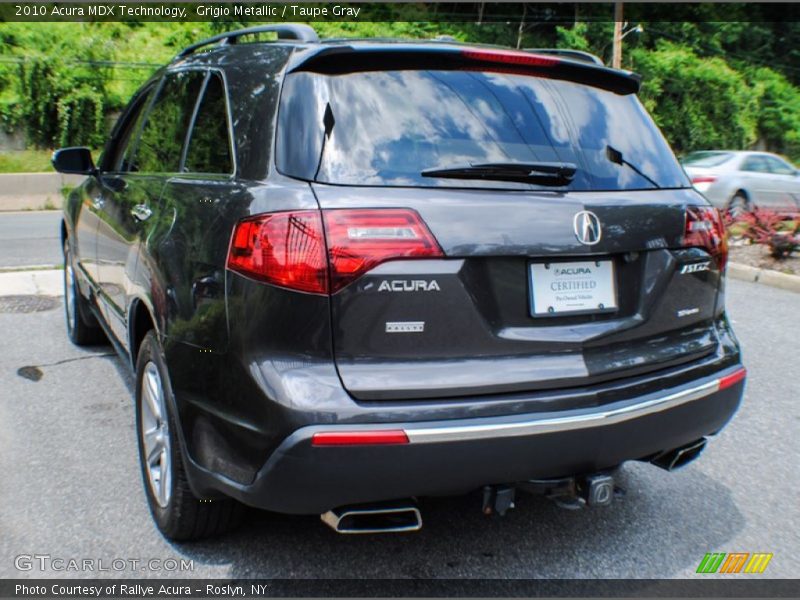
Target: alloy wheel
(69, 293)
(156, 444)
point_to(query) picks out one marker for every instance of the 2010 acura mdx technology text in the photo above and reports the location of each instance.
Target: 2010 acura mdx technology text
(352, 273)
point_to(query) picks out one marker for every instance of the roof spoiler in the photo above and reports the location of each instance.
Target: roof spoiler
(348, 59)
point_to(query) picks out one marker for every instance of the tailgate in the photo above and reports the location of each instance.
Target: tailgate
(467, 324)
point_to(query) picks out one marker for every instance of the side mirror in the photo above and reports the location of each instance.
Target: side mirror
(74, 161)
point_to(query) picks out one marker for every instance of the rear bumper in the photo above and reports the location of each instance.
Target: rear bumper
(456, 456)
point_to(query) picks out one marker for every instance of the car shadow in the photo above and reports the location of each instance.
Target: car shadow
(661, 528)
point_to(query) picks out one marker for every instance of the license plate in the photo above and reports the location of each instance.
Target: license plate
(583, 287)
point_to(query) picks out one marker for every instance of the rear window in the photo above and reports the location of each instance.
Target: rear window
(707, 159)
(385, 128)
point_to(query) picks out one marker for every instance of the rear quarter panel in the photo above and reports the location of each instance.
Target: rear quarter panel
(229, 340)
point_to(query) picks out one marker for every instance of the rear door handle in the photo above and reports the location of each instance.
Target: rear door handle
(141, 212)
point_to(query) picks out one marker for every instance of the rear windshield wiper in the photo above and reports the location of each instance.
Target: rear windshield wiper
(615, 156)
(540, 173)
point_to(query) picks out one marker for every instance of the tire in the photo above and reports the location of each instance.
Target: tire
(178, 513)
(82, 326)
(739, 205)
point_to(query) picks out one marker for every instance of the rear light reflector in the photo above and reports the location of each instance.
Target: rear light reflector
(702, 182)
(284, 248)
(361, 239)
(359, 438)
(732, 379)
(506, 57)
(704, 229)
(703, 179)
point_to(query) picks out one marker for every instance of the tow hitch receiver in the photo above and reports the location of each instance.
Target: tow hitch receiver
(599, 490)
(574, 493)
(498, 499)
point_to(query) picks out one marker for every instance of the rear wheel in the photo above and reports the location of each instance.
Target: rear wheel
(179, 514)
(82, 326)
(739, 205)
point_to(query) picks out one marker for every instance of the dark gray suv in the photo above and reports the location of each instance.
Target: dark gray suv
(350, 273)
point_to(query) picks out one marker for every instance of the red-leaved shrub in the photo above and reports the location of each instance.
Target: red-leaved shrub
(763, 226)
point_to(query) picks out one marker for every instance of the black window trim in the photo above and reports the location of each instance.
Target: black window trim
(161, 85)
(158, 86)
(188, 135)
(228, 123)
(150, 88)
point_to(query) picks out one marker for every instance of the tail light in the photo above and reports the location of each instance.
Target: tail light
(703, 182)
(703, 179)
(704, 229)
(285, 249)
(289, 249)
(359, 240)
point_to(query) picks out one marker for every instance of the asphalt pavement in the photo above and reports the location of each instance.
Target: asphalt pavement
(71, 486)
(30, 238)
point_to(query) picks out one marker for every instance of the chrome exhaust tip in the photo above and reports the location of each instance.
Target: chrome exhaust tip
(679, 457)
(374, 519)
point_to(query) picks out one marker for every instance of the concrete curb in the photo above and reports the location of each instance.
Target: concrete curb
(765, 276)
(34, 191)
(30, 268)
(36, 283)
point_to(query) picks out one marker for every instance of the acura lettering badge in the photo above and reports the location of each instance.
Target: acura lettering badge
(587, 227)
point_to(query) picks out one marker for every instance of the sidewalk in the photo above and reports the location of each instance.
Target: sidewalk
(40, 283)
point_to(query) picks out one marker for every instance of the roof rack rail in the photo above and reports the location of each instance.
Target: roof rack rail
(566, 53)
(285, 31)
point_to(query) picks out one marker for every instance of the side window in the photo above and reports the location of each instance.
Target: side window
(755, 164)
(209, 145)
(161, 142)
(120, 153)
(779, 167)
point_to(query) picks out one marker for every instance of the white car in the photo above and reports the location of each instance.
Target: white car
(741, 181)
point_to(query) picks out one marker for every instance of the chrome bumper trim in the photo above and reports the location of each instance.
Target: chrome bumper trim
(456, 433)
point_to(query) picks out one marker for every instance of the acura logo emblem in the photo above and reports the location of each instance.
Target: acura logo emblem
(587, 227)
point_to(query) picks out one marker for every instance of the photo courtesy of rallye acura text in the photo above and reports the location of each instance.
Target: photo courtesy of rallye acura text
(352, 273)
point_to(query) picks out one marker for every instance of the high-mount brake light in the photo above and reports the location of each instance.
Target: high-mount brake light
(288, 249)
(705, 229)
(361, 239)
(284, 248)
(509, 57)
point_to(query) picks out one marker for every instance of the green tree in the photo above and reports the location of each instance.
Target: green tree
(779, 112)
(698, 102)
